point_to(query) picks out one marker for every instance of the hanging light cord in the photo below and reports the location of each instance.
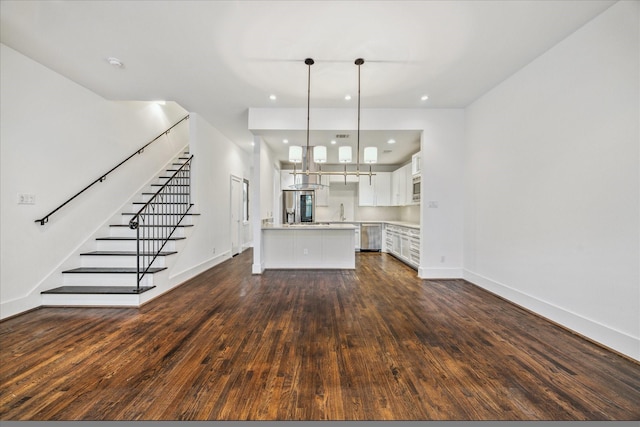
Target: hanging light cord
(358, 62)
(309, 63)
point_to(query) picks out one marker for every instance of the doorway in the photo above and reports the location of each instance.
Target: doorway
(236, 214)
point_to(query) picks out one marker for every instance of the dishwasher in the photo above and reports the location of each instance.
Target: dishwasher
(370, 237)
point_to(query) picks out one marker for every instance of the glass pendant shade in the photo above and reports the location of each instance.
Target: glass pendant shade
(295, 154)
(344, 154)
(320, 154)
(370, 155)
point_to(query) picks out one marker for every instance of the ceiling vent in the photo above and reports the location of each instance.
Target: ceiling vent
(342, 135)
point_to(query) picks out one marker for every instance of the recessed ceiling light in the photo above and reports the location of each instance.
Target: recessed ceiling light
(347, 97)
(272, 97)
(391, 141)
(115, 62)
(160, 102)
(252, 143)
(285, 141)
(333, 141)
(424, 97)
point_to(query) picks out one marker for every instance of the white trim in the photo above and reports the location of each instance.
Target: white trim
(605, 335)
(440, 273)
(257, 268)
(189, 273)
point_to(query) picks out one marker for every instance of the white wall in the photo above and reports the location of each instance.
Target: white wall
(269, 183)
(552, 208)
(215, 159)
(56, 138)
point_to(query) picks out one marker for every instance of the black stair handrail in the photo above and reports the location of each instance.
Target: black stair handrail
(102, 177)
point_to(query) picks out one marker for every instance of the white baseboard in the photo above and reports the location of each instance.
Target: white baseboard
(602, 334)
(187, 274)
(257, 268)
(440, 273)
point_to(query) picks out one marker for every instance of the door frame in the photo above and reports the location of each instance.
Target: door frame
(236, 214)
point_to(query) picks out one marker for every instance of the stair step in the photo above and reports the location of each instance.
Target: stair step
(135, 213)
(151, 226)
(133, 238)
(173, 185)
(165, 194)
(126, 253)
(111, 270)
(113, 290)
(160, 203)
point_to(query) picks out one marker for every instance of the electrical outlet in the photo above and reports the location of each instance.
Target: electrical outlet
(305, 251)
(432, 204)
(214, 250)
(26, 199)
(443, 258)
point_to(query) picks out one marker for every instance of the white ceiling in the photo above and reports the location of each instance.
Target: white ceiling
(220, 58)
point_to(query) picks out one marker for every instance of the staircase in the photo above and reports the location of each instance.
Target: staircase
(108, 275)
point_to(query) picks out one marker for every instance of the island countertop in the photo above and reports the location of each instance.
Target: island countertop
(312, 226)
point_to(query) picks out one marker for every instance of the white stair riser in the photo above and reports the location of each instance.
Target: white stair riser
(116, 261)
(105, 279)
(148, 231)
(187, 220)
(169, 198)
(127, 245)
(84, 300)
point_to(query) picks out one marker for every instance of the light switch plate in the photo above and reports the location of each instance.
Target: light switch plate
(26, 199)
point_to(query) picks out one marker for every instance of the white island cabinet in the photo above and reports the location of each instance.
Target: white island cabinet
(326, 246)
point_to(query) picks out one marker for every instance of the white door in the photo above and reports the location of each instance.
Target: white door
(236, 215)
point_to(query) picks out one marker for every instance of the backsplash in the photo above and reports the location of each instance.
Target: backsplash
(344, 199)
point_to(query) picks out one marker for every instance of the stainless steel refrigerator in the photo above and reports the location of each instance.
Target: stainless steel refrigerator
(298, 206)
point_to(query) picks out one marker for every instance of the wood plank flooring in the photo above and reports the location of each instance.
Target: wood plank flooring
(375, 343)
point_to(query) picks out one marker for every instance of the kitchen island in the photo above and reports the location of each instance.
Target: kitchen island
(309, 246)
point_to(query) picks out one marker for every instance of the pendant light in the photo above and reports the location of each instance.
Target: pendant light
(344, 154)
(320, 152)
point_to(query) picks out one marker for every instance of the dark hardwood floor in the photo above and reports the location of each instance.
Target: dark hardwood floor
(376, 343)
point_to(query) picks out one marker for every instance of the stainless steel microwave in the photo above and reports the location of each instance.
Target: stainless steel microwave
(415, 192)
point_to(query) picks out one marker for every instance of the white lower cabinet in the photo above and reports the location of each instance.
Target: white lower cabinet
(403, 243)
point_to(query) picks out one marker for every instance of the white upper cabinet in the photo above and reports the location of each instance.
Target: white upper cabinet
(378, 193)
(408, 193)
(383, 188)
(415, 164)
(398, 187)
(366, 191)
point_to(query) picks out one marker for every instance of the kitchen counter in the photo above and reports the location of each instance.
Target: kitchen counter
(401, 223)
(356, 223)
(311, 226)
(309, 246)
